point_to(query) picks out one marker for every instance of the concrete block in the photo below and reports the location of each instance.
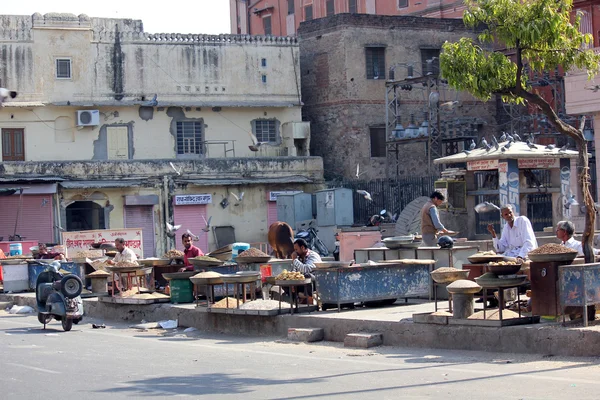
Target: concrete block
(306, 334)
(5, 304)
(363, 340)
(429, 318)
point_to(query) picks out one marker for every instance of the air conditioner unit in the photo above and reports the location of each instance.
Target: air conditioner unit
(88, 117)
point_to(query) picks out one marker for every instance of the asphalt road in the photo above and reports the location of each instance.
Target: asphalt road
(119, 362)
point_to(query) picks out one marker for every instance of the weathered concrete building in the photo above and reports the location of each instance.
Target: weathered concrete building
(116, 123)
(346, 61)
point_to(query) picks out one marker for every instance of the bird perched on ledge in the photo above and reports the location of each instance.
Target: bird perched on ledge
(5, 94)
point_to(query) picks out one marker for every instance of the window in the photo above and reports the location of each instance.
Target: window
(13, 147)
(402, 3)
(375, 62)
(290, 7)
(352, 8)
(263, 62)
(267, 25)
(264, 79)
(308, 13)
(330, 7)
(377, 142)
(63, 68)
(189, 137)
(432, 67)
(265, 130)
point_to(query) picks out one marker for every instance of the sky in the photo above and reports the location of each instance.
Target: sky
(185, 16)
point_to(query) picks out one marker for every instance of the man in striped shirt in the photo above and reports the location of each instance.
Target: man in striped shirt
(304, 258)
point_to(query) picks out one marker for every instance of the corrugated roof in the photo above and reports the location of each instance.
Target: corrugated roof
(517, 150)
(100, 184)
(31, 179)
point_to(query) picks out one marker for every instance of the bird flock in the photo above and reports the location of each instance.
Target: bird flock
(505, 142)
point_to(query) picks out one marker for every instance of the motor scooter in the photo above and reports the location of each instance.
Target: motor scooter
(58, 296)
(313, 241)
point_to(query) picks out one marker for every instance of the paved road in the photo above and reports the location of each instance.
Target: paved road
(118, 363)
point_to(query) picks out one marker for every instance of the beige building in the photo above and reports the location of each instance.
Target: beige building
(112, 124)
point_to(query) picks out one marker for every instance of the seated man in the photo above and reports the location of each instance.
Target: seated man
(124, 255)
(43, 254)
(565, 231)
(517, 238)
(304, 261)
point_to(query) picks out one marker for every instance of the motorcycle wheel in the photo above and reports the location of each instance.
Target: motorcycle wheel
(44, 318)
(67, 324)
(71, 286)
(321, 248)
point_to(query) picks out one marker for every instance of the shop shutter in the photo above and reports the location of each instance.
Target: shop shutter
(191, 217)
(142, 217)
(36, 220)
(271, 213)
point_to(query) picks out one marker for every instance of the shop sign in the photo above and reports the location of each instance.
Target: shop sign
(482, 165)
(273, 195)
(82, 241)
(538, 163)
(193, 199)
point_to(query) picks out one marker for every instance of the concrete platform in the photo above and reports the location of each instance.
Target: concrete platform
(393, 322)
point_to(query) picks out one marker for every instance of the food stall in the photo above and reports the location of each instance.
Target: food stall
(536, 180)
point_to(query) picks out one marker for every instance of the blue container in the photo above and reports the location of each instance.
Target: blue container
(15, 249)
(35, 270)
(237, 248)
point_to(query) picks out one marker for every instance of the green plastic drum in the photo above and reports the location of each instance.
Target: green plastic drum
(182, 291)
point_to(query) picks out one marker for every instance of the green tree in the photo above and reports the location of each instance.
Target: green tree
(540, 33)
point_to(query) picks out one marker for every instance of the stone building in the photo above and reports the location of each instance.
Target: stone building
(112, 124)
(346, 61)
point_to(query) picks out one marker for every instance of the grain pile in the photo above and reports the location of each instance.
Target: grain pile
(173, 253)
(207, 258)
(223, 303)
(100, 264)
(252, 252)
(552, 248)
(208, 274)
(262, 304)
(125, 264)
(447, 269)
(286, 275)
(86, 254)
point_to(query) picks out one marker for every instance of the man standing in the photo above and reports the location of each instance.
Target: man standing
(189, 251)
(430, 220)
(565, 231)
(517, 238)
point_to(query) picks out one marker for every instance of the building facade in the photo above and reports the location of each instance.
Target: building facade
(283, 18)
(112, 125)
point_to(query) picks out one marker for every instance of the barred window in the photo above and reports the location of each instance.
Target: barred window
(402, 3)
(63, 68)
(308, 14)
(267, 25)
(265, 130)
(377, 142)
(375, 60)
(433, 66)
(330, 7)
(352, 7)
(189, 137)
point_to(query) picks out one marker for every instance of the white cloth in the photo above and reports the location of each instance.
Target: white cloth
(126, 256)
(576, 245)
(518, 240)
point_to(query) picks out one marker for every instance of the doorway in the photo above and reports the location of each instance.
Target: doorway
(84, 216)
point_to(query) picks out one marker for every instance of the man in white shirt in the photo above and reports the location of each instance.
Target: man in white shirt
(124, 254)
(565, 231)
(517, 238)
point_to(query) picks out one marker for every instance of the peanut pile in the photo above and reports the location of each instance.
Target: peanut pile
(207, 258)
(552, 248)
(290, 276)
(252, 252)
(173, 253)
(447, 269)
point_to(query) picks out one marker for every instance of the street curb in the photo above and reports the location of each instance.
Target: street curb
(546, 339)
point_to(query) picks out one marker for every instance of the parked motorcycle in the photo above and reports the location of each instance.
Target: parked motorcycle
(313, 241)
(58, 296)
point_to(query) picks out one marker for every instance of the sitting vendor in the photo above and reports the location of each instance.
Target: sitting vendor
(43, 254)
(124, 253)
(517, 238)
(190, 251)
(304, 258)
(565, 231)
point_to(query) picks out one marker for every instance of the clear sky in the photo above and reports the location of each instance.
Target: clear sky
(182, 16)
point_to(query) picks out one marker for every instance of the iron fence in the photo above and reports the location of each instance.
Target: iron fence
(389, 194)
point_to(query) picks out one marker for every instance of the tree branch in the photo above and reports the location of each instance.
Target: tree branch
(518, 84)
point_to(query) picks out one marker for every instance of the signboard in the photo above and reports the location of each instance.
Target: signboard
(565, 189)
(76, 242)
(193, 199)
(538, 163)
(273, 195)
(482, 165)
(329, 200)
(508, 184)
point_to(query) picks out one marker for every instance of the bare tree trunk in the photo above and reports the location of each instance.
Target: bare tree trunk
(587, 239)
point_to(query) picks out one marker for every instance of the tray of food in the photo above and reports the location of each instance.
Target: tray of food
(252, 255)
(291, 278)
(293, 282)
(174, 254)
(504, 267)
(179, 275)
(486, 257)
(206, 261)
(207, 278)
(552, 252)
(155, 262)
(448, 274)
(490, 280)
(243, 277)
(123, 267)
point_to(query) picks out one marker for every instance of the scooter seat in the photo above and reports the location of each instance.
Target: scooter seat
(302, 235)
(43, 291)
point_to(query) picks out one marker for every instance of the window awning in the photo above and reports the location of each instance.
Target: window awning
(28, 188)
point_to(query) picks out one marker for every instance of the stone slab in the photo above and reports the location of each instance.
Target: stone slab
(306, 335)
(429, 318)
(363, 340)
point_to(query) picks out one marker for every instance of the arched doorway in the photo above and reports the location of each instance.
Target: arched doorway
(85, 215)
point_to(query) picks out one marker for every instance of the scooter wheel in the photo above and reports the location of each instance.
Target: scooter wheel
(67, 324)
(71, 286)
(44, 318)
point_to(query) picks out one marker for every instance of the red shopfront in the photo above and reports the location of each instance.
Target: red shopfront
(190, 211)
